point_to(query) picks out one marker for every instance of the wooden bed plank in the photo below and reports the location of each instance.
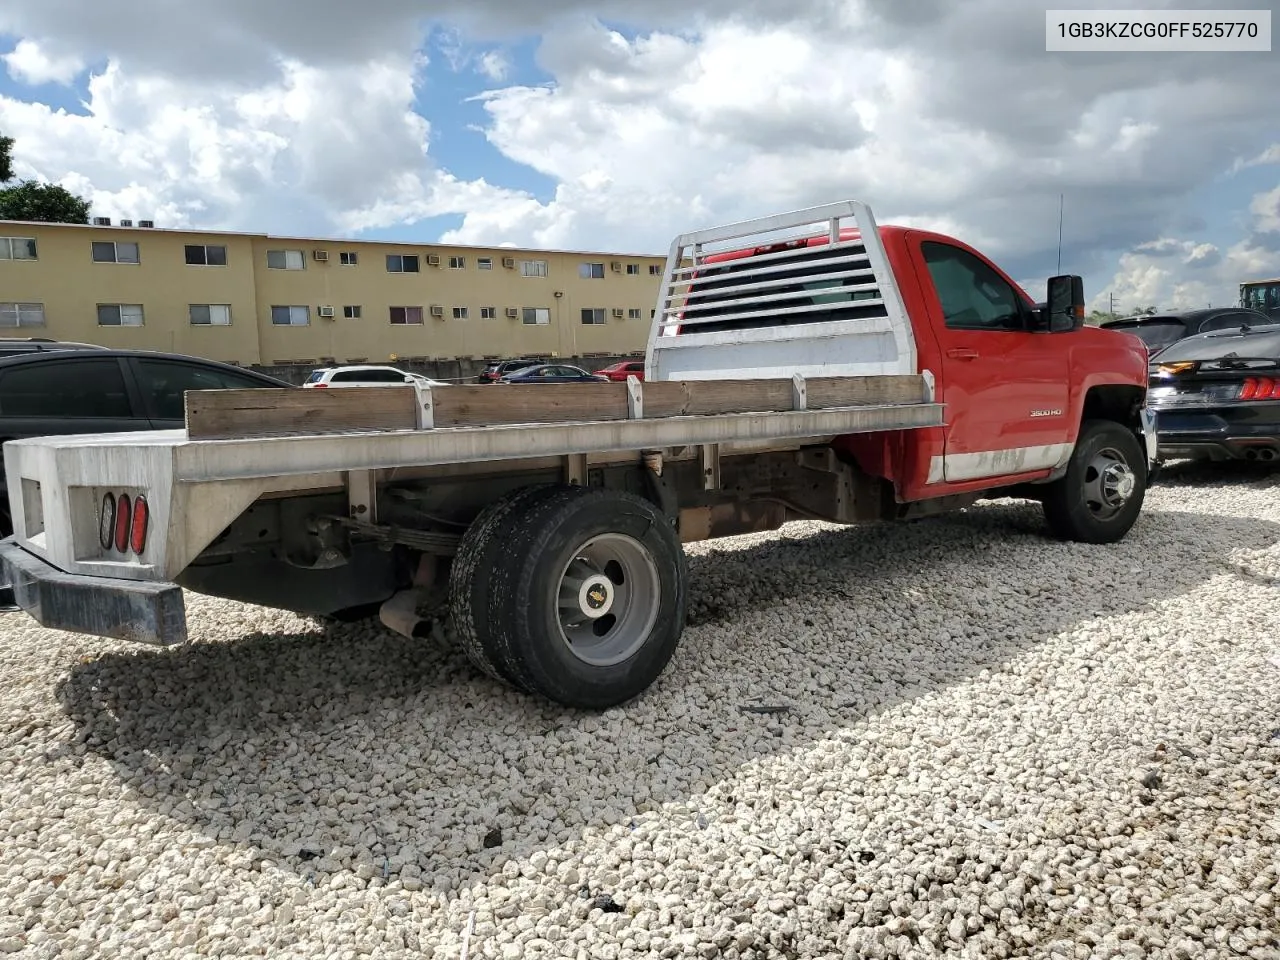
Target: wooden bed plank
(225, 414)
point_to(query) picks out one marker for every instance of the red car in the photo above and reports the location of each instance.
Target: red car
(620, 371)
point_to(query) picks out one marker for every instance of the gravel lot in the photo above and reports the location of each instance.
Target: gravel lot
(994, 745)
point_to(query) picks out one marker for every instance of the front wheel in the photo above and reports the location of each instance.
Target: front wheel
(1100, 496)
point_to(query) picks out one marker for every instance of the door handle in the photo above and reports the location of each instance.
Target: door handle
(962, 353)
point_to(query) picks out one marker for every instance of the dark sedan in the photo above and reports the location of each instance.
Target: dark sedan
(1217, 395)
(1160, 330)
(500, 368)
(553, 373)
(53, 393)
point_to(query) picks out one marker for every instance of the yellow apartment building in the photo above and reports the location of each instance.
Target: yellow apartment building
(257, 299)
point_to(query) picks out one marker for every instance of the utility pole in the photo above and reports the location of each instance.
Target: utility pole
(1111, 305)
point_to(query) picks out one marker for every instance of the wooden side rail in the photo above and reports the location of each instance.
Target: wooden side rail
(235, 414)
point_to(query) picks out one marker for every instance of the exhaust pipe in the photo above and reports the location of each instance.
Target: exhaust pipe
(1267, 454)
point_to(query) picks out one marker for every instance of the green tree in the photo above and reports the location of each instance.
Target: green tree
(6, 159)
(46, 202)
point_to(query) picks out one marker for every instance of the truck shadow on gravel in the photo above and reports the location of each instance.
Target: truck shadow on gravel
(349, 749)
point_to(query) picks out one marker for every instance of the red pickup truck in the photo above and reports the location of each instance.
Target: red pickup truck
(852, 374)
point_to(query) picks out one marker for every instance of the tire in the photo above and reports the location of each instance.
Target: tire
(484, 542)
(618, 562)
(1089, 504)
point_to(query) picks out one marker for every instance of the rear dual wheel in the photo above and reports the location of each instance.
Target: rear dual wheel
(575, 594)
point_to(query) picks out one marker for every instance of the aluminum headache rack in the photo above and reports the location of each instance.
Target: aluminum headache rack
(808, 292)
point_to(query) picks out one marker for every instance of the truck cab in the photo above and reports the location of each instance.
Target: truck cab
(1019, 379)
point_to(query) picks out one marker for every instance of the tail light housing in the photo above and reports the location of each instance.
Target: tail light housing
(1259, 388)
(138, 525)
(123, 523)
(124, 518)
(107, 521)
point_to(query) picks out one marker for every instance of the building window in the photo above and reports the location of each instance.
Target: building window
(211, 314)
(17, 248)
(406, 315)
(293, 316)
(593, 315)
(351, 312)
(633, 313)
(119, 314)
(457, 263)
(108, 251)
(459, 313)
(633, 269)
(348, 258)
(655, 269)
(537, 315)
(591, 271)
(484, 263)
(206, 255)
(533, 268)
(488, 313)
(652, 313)
(402, 263)
(21, 314)
(285, 259)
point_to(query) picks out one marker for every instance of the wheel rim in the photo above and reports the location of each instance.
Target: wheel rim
(1109, 483)
(608, 596)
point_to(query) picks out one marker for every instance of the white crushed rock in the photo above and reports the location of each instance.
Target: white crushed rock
(995, 745)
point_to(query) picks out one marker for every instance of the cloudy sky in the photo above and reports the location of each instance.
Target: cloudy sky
(564, 123)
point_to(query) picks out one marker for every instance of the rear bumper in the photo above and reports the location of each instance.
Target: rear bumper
(140, 611)
(1228, 433)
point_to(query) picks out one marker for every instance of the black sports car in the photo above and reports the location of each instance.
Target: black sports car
(1217, 395)
(1159, 330)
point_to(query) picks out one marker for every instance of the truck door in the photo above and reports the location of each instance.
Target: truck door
(1005, 387)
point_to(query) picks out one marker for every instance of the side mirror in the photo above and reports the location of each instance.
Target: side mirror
(1064, 304)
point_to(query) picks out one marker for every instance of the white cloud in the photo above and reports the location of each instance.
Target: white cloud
(494, 65)
(942, 114)
(29, 62)
(314, 149)
(1265, 158)
(1181, 274)
(1266, 211)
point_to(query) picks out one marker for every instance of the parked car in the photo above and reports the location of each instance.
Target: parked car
(500, 368)
(552, 373)
(1160, 330)
(366, 375)
(620, 371)
(1217, 395)
(22, 346)
(49, 393)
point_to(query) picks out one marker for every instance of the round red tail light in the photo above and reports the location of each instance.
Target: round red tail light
(107, 521)
(138, 531)
(124, 517)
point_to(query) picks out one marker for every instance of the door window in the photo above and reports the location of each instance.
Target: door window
(164, 382)
(972, 294)
(66, 389)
